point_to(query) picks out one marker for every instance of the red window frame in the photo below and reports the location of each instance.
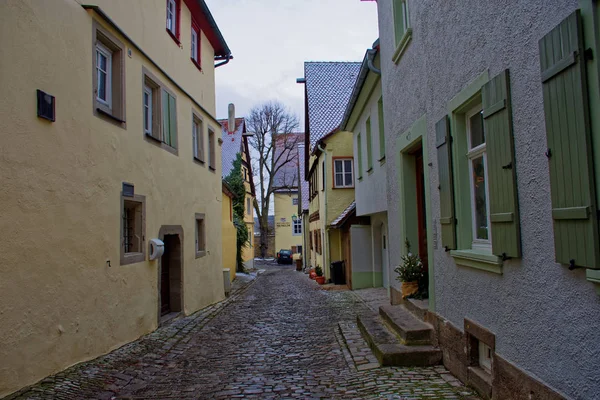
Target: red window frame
(176, 36)
(196, 28)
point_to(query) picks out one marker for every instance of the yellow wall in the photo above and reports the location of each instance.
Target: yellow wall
(248, 251)
(284, 230)
(229, 236)
(60, 302)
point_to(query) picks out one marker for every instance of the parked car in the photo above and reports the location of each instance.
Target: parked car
(284, 257)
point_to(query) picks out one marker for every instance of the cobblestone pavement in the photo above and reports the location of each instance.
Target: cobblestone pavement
(279, 337)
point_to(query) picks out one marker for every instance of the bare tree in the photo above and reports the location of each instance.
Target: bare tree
(273, 126)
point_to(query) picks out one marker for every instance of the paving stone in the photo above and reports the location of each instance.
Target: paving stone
(279, 336)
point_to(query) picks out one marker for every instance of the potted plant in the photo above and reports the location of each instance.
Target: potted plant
(320, 278)
(409, 272)
(312, 274)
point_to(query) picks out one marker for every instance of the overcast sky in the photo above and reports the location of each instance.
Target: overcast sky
(271, 39)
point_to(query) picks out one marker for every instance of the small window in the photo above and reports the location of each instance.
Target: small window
(198, 138)
(322, 175)
(104, 75)
(133, 226)
(381, 129)
(344, 177)
(147, 110)
(108, 75)
(200, 236)
(401, 21)
(295, 201)
(211, 149)
(173, 18)
(369, 145)
(195, 44)
(297, 226)
(359, 152)
(477, 157)
(485, 356)
(248, 206)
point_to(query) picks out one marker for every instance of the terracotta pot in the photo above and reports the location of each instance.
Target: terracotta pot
(320, 280)
(312, 274)
(409, 288)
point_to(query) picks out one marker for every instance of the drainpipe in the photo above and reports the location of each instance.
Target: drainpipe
(325, 216)
(370, 58)
(226, 58)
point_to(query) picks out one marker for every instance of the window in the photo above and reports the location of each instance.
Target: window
(133, 227)
(173, 19)
(297, 226)
(381, 129)
(485, 356)
(104, 74)
(401, 22)
(195, 44)
(169, 118)
(479, 181)
(147, 110)
(200, 236)
(322, 176)
(108, 75)
(344, 177)
(198, 138)
(369, 146)
(211, 149)
(359, 152)
(295, 201)
(248, 206)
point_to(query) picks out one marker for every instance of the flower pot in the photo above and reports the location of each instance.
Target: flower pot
(299, 265)
(312, 274)
(320, 280)
(409, 288)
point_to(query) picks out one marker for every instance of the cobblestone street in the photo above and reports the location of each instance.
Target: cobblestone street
(280, 336)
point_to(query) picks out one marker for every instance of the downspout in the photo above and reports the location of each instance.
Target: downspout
(370, 58)
(325, 195)
(227, 58)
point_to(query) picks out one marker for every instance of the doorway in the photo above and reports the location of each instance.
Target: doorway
(384, 257)
(171, 288)
(421, 209)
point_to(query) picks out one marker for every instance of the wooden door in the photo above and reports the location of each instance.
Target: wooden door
(165, 278)
(347, 256)
(421, 210)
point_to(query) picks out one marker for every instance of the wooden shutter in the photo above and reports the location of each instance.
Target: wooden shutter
(504, 204)
(446, 184)
(165, 117)
(172, 122)
(569, 144)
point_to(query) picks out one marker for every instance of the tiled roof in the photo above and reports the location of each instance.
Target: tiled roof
(304, 188)
(286, 149)
(339, 221)
(328, 89)
(232, 143)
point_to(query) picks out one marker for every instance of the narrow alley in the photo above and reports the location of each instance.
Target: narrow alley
(277, 336)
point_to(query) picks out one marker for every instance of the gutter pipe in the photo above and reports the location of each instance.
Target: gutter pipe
(227, 58)
(370, 58)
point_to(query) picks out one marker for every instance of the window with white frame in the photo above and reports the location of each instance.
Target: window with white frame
(195, 43)
(295, 201)
(104, 74)
(147, 110)
(344, 177)
(195, 133)
(476, 154)
(297, 226)
(172, 16)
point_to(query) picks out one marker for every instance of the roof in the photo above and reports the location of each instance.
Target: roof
(232, 143)
(339, 221)
(304, 187)
(199, 9)
(328, 89)
(226, 189)
(358, 85)
(287, 154)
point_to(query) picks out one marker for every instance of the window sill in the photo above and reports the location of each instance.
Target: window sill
(132, 258)
(196, 64)
(593, 275)
(175, 38)
(402, 45)
(109, 115)
(213, 169)
(342, 187)
(360, 178)
(159, 143)
(200, 253)
(199, 161)
(370, 171)
(381, 160)
(477, 259)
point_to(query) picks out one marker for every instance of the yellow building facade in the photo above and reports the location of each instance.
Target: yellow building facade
(93, 181)
(288, 226)
(229, 233)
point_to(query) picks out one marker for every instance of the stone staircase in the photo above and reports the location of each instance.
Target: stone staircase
(398, 336)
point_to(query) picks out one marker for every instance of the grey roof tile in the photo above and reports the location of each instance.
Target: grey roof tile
(336, 223)
(304, 187)
(232, 143)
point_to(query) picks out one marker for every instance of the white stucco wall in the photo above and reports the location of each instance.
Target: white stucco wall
(544, 316)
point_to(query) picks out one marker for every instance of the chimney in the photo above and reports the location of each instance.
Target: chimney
(231, 117)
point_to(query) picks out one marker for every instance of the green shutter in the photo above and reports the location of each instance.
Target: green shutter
(502, 183)
(446, 185)
(369, 145)
(359, 150)
(172, 122)
(569, 144)
(381, 129)
(165, 117)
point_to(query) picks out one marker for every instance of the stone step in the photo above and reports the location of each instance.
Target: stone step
(417, 307)
(411, 330)
(388, 348)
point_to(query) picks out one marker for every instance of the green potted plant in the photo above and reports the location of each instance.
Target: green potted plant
(320, 278)
(410, 271)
